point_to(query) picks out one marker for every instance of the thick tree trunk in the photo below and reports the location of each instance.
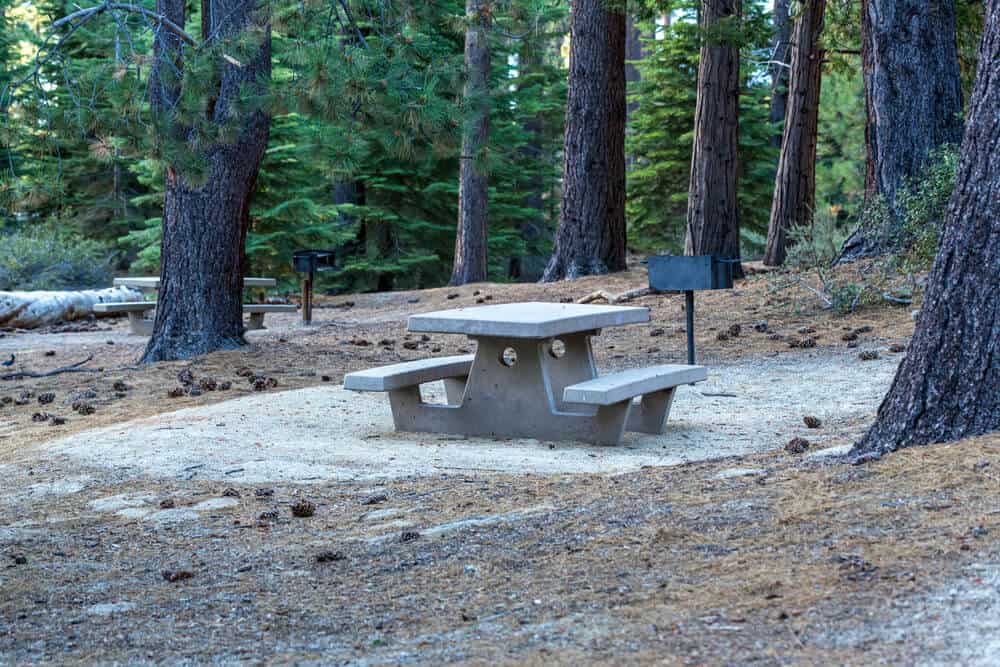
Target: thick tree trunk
(713, 226)
(591, 234)
(948, 386)
(205, 220)
(914, 100)
(780, 73)
(795, 183)
(473, 188)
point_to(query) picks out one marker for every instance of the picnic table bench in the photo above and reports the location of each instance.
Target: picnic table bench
(533, 375)
(137, 311)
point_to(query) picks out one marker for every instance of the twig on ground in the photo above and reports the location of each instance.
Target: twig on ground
(896, 299)
(72, 368)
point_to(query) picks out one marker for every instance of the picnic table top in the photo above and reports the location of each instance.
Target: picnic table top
(153, 282)
(527, 320)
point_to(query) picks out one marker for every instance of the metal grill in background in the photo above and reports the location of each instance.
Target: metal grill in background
(309, 262)
(688, 274)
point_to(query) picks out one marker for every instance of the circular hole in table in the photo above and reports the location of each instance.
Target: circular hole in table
(508, 357)
(557, 348)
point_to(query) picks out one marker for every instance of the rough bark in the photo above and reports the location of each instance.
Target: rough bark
(591, 235)
(948, 386)
(27, 310)
(913, 96)
(205, 220)
(795, 182)
(780, 72)
(473, 195)
(713, 226)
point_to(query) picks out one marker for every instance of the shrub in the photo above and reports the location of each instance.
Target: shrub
(45, 258)
(815, 245)
(913, 229)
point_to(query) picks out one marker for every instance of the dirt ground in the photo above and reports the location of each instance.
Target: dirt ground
(768, 557)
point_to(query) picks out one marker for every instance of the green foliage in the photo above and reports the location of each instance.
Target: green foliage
(382, 115)
(48, 257)
(661, 133)
(840, 148)
(817, 244)
(913, 230)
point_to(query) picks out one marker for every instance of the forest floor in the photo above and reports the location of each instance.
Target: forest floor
(157, 529)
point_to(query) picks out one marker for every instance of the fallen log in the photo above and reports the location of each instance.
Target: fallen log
(604, 295)
(27, 310)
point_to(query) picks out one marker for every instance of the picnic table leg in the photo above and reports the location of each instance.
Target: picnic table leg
(406, 409)
(139, 325)
(454, 389)
(513, 399)
(610, 423)
(576, 364)
(650, 416)
(256, 322)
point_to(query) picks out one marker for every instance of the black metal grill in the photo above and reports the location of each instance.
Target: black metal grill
(309, 262)
(675, 273)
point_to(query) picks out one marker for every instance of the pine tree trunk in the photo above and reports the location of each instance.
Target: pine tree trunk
(948, 386)
(591, 235)
(713, 226)
(795, 183)
(473, 196)
(205, 219)
(780, 73)
(913, 97)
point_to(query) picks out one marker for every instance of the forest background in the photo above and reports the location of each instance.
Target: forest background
(374, 172)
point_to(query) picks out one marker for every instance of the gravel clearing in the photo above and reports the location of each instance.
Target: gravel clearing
(326, 433)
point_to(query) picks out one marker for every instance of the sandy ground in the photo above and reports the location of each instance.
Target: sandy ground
(326, 433)
(164, 530)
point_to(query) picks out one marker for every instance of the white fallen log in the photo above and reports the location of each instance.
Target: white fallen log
(27, 310)
(604, 295)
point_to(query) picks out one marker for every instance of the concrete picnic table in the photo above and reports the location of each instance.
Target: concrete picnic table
(153, 282)
(137, 311)
(533, 375)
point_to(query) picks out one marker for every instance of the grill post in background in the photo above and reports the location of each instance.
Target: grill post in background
(307, 298)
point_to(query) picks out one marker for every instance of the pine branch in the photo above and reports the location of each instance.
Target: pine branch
(118, 6)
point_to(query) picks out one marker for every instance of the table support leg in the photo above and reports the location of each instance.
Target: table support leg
(514, 401)
(454, 389)
(139, 325)
(256, 322)
(610, 423)
(650, 416)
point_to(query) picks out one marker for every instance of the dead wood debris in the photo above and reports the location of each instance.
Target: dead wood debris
(604, 295)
